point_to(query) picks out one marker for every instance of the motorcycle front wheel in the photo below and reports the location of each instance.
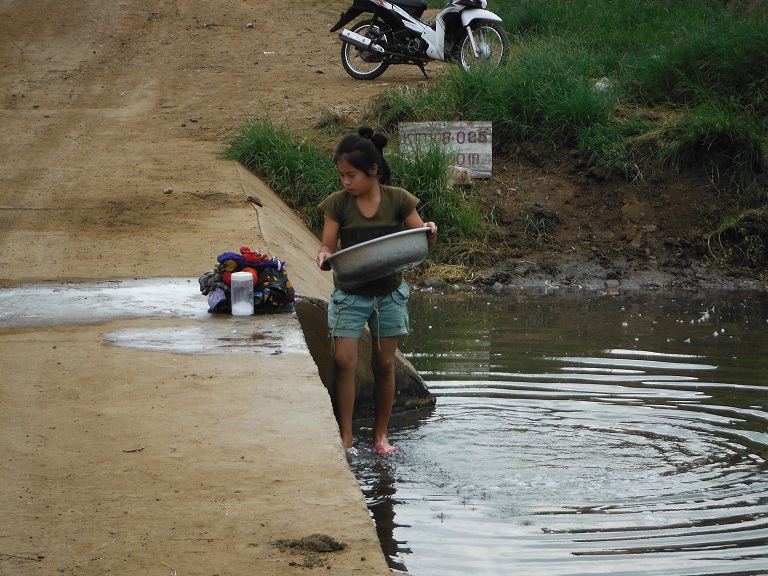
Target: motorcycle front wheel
(364, 64)
(492, 46)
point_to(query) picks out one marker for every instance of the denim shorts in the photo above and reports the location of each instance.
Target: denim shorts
(386, 316)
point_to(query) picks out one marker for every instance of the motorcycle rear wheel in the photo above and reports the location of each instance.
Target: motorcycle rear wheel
(493, 45)
(363, 64)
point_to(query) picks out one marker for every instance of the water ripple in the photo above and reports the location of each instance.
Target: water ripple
(610, 460)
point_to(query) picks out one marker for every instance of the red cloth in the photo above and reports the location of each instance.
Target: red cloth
(251, 256)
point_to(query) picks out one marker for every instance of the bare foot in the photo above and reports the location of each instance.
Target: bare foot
(347, 440)
(385, 449)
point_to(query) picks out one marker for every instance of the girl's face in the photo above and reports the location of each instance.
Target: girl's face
(354, 180)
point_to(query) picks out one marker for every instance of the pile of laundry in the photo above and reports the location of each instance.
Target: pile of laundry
(272, 290)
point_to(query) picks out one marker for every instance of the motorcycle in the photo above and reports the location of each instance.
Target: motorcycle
(464, 31)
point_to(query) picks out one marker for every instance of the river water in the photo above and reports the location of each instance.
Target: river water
(580, 433)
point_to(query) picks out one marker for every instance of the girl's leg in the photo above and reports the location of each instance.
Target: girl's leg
(383, 366)
(344, 386)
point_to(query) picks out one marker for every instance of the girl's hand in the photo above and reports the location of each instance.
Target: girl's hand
(432, 238)
(322, 264)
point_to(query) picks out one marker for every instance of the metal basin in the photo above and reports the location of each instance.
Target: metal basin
(380, 257)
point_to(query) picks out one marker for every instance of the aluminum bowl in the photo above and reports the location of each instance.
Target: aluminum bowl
(380, 257)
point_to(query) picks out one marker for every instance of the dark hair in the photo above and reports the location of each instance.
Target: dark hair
(365, 150)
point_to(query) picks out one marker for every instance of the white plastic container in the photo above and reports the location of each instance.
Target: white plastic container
(242, 293)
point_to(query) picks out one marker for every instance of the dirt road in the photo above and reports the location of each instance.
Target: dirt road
(135, 462)
(113, 116)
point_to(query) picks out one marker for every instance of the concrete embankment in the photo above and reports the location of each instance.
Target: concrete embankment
(122, 458)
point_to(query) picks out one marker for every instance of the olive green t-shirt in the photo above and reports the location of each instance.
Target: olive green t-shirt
(395, 206)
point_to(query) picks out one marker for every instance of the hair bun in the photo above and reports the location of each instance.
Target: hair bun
(379, 139)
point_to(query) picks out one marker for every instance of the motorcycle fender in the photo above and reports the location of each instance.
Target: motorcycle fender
(469, 16)
(350, 14)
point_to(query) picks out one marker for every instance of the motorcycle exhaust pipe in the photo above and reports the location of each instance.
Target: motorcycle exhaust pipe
(359, 41)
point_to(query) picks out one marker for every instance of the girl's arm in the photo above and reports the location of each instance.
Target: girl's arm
(413, 220)
(328, 242)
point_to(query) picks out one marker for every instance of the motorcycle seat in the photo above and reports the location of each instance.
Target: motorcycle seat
(414, 7)
(419, 4)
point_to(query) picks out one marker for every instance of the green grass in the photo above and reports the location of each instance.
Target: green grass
(303, 174)
(703, 58)
(577, 63)
(721, 140)
(741, 240)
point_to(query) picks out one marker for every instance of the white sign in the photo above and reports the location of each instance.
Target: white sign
(470, 143)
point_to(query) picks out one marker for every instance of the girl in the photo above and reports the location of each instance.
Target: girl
(367, 208)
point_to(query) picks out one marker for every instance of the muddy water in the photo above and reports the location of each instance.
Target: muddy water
(176, 300)
(580, 434)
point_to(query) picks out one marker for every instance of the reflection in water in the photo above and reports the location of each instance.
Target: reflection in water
(580, 435)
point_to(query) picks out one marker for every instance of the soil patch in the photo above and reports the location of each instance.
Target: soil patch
(313, 549)
(559, 222)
